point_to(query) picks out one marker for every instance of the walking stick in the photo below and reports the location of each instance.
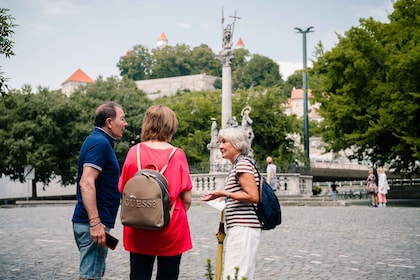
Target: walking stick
(220, 235)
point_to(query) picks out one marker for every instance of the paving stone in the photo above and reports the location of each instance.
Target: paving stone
(332, 242)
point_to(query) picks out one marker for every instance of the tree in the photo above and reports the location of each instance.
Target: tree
(271, 127)
(293, 81)
(46, 129)
(194, 111)
(204, 61)
(37, 129)
(259, 71)
(6, 44)
(125, 92)
(136, 64)
(368, 88)
(172, 61)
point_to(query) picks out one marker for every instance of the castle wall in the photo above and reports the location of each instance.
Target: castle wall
(169, 86)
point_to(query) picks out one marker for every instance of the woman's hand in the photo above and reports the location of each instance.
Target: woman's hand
(213, 195)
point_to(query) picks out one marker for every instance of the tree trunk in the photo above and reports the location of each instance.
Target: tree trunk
(34, 194)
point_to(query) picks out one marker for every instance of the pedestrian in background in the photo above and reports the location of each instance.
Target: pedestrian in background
(372, 188)
(98, 198)
(168, 244)
(334, 191)
(383, 187)
(241, 193)
(271, 173)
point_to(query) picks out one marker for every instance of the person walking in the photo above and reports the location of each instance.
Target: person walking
(98, 198)
(372, 188)
(383, 187)
(241, 193)
(271, 173)
(168, 244)
(334, 191)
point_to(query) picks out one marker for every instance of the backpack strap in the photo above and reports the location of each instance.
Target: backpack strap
(259, 175)
(167, 162)
(161, 171)
(138, 157)
(259, 187)
(163, 168)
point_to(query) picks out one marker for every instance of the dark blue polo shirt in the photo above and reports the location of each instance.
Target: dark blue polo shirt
(98, 152)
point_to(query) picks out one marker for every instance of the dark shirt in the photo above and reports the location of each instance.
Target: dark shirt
(98, 152)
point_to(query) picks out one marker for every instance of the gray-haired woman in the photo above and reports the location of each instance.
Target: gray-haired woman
(243, 226)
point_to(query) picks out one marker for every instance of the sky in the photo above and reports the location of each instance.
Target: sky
(54, 38)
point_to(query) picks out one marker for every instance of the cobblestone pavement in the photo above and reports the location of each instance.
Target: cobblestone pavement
(353, 242)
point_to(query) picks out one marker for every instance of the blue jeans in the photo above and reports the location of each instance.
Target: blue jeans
(334, 195)
(92, 256)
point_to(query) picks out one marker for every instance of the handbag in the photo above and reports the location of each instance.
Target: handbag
(371, 188)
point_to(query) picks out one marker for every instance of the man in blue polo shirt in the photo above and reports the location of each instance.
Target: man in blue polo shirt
(97, 195)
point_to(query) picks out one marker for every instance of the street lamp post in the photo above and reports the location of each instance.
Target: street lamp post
(305, 94)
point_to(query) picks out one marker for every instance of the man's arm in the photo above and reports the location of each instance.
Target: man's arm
(88, 191)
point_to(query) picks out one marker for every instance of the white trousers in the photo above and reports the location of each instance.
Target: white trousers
(241, 246)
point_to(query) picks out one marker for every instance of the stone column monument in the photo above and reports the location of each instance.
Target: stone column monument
(217, 163)
(225, 57)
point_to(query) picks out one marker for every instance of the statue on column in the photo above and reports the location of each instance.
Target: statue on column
(227, 36)
(228, 32)
(214, 134)
(247, 122)
(247, 125)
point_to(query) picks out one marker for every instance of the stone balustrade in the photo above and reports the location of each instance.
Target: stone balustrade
(288, 184)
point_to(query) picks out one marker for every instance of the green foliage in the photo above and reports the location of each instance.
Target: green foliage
(204, 61)
(368, 88)
(181, 60)
(136, 64)
(210, 273)
(259, 71)
(46, 129)
(271, 126)
(6, 44)
(172, 61)
(316, 190)
(37, 129)
(125, 93)
(293, 81)
(194, 111)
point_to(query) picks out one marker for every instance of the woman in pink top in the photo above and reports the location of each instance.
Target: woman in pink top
(168, 244)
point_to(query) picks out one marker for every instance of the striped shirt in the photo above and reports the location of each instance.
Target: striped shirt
(240, 213)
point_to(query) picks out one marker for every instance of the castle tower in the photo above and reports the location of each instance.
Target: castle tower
(78, 78)
(240, 44)
(162, 41)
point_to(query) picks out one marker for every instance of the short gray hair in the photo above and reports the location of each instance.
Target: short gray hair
(238, 137)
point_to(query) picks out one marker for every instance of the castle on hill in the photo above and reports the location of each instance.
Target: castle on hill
(157, 87)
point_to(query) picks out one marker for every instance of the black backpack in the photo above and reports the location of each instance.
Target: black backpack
(268, 208)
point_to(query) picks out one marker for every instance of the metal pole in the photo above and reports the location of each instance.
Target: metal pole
(305, 95)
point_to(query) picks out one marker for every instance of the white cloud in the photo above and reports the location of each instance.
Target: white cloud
(288, 68)
(183, 25)
(41, 29)
(59, 7)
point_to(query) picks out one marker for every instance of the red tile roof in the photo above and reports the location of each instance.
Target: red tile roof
(162, 37)
(297, 93)
(79, 76)
(240, 43)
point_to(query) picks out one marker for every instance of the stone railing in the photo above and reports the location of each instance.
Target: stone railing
(288, 184)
